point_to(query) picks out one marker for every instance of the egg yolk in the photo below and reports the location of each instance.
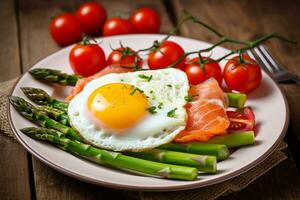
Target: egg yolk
(117, 106)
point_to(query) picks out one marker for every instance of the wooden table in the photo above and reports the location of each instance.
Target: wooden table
(25, 40)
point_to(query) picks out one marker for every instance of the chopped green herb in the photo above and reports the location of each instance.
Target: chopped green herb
(171, 113)
(122, 80)
(153, 97)
(141, 91)
(160, 104)
(190, 98)
(169, 85)
(135, 89)
(143, 76)
(152, 109)
(151, 91)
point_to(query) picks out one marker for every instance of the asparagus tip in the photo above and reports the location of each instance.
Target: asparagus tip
(15, 101)
(28, 130)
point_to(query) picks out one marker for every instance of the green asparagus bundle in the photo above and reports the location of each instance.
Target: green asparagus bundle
(110, 158)
(54, 76)
(36, 116)
(41, 97)
(220, 151)
(201, 162)
(217, 150)
(205, 163)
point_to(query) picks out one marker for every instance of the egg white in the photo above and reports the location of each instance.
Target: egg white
(167, 86)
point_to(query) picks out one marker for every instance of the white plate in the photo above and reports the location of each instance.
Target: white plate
(267, 101)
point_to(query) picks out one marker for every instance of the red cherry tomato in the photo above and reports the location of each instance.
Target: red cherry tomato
(120, 57)
(145, 20)
(241, 120)
(87, 59)
(242, 77)
(91, 17)
(167, 53)
(65, 29)
(117, 26)
(196, 75)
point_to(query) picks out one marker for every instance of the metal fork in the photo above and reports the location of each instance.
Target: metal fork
(271, 66)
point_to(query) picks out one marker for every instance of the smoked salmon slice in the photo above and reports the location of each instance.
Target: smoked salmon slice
(82, 82)
(206, 113)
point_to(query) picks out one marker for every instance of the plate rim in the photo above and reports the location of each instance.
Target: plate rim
(148, 188)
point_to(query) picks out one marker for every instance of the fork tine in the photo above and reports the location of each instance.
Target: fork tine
(271, 59)
(253, 55)
(261, 56)
(250, 54)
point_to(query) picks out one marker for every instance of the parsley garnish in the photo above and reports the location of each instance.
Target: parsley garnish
(169, 85)
(160, 104)
(143, 76)
(171, 113)
(152, 109)
(190, 98)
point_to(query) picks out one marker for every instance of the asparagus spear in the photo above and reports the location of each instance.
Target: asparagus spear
(236, 100)
(202, 163)
(31, 113)
(55, 114)
(234, 139)
(110, 158)
(41, 97)
(54, 76)
(220, 151)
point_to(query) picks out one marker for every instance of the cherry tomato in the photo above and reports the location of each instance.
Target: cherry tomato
(145, 20)
(65, 29)
(242, 77)
(91, 17)
(120, 57)
(87, 59)
(241, 120)
(196, 75)
(167, 53)
(117, 26)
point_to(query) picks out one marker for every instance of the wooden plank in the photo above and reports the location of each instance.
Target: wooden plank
(14, 166)
(9, 54)
(243, 20)
(14, 178)
(37, 44)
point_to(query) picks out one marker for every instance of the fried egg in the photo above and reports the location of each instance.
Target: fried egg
(132, 111)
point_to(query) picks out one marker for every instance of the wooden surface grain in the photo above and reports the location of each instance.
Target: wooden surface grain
(14, 180)
(24, 25)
